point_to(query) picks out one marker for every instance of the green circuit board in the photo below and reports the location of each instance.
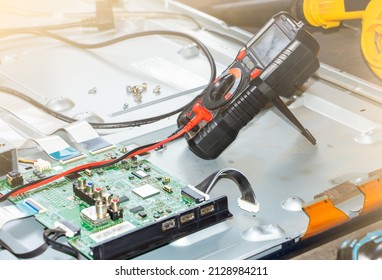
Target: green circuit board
(103, 207)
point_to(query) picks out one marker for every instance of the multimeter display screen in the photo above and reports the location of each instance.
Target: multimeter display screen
(270, 44)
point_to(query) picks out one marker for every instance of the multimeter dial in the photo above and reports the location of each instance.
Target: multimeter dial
(224, 88)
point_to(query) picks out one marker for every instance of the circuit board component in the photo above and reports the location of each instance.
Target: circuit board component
(146, 191)
(119, 211)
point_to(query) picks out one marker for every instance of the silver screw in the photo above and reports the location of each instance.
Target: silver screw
(138, 97)
(157, 89)
(125, 106)
(137, 91)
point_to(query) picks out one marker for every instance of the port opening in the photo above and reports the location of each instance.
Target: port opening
(205, 210)
(187, 217)
(168, 224)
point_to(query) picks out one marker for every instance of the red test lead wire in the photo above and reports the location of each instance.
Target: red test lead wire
(201, 114)
(58, 176)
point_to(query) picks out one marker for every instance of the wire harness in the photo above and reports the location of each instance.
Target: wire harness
(247, 201)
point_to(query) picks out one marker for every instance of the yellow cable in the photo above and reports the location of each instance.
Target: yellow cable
(371, 38)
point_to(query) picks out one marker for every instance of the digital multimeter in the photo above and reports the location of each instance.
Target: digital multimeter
(276, 61)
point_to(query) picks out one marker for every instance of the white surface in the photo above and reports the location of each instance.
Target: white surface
(279, 162)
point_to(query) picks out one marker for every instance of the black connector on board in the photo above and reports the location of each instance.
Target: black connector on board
(193, 195)
(141, 240)
(8, 158)
(14, 179)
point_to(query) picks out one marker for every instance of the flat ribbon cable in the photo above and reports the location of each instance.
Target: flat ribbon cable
(372, 191)
(59, 150)
(84, 134)
(323, 215)
(12, 212)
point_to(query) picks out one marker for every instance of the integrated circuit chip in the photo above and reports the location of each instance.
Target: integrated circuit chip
(123, 199)
(137, 209)
(140, 174)
(146, 191)
(142, 214)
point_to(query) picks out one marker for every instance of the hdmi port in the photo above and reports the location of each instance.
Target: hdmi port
(207, 209)
(187, 217)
